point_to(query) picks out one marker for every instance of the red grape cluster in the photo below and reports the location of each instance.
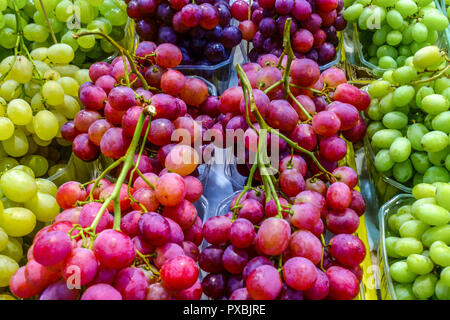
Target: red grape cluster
(112, 109)
(153, 257)
(313, 29)
(202, 29)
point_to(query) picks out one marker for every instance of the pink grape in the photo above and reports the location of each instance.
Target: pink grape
(234, 259)
(121, 98)
(179, 273)
(273, 236)
(347, 114)
(210, 259)
(282, 116)
(320, 289)
(154, 228)
(84, 119)
(304, 72)
(357, 203)
(264, 283)
(305, 244)
(291, 182)
(85, 263)
(69, 193)
(114, 249)
(52, 248)
(299, 273)
(93, 97)
(326, 123)
(83, 148)
(333, 148)
(242, 233)
(131, 283)
(20, 287)
(251, 210)
(333, 77)
(343, 284)
(346, 175)
(304, 136)
(192, 293)
(106, 82)
(170, 189)
(59, 291)
(312, 197)
(88, 213)
(183, 213)
(40, 276)
(240, 294)
(97, 130)
(114, 143)
(191, 250)
(338, 196)
(216, 230)
(271, 209)
(347, 249)
(317, 185)
(346, 221)
(255, 263)
(101, 291)
(305, 216)
(147, 198)
(156, 291)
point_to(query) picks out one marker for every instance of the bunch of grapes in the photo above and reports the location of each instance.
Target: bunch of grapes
(410, 117)
(417, 244)
(38, 94)
(81, 256)
(202, 30)
(313, 30)
(27, 203)
(392, 31)
(66, 18)
(107, 123)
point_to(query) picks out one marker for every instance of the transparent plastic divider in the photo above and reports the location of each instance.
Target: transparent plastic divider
(389, 208)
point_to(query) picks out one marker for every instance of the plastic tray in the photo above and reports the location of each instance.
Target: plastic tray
(76, 170)
(389, 208)
(224, 207)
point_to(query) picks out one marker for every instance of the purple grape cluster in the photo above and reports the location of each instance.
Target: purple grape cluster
(313, 29)
(201, 30)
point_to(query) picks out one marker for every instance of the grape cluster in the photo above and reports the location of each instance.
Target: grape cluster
(202, 30)
(27, 203)
(66, 18)
(153, 257)
(313, 29)
(400, 28)
(112, 109)
(417, 244)
(37, 96)
(409, 113)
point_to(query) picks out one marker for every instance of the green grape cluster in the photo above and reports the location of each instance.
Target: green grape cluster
(36, 98)
(410, 119)
(417, 244)
(66, 17)
(27, 203)
(393, 30)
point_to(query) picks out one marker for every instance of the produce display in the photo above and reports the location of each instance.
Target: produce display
(110, 123)
(58, 20)
(392, 31)
(417, 244)
(314, 27)
(409, 132)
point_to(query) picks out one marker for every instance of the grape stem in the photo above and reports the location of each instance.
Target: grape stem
(438, 75)
(276, 84)
(48, 22)
(312, 90)
(123, 51)
(102, 175)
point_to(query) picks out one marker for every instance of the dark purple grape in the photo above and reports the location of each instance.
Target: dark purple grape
(281, 21)
(331, 33)
(283, 6)
(340, 6)
(147, 7)
(253, 55)
(146, 30)
(214, 285)
(215, 52)
(199, 2)
(268, 27)
(165, 13)
(258, 41)
(197, 46)
(268, 13)
(187, 59)
(133, 10)
(197, 32)
(224, 14)
(313, 23)
(254, 6)
(271, 44)
(327, 52)
(167, 35)
(340, 23)
(214, 34)
(231, 37)
(312, 54)
(278, 53)
(257, 16)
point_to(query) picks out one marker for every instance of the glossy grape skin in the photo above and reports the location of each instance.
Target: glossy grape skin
(179, 273)
(347, 249)
(52, 248)
(59, 291)
(214, 285)
(20, 286)
(346, 221)
(101, 291)
(273, 236)
(343, 283)
(85, 261)
(234, 259)
(264, 283)
(304, 244)
(129, 223)
(299, 273)
(216, 230)
(154, 228)
(114, 249)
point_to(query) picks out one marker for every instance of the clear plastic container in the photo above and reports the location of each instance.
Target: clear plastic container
(389, 208)
(224, 207)
(77, 170)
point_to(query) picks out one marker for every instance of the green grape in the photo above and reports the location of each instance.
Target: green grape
(427, 57)
(403, 95)
(387, 76)
(61, 121)
(432, 214)
(13, 249)
(107, 24)
(37, 103)
(107, 46)
(106, 6)
(44, 206)
(383, 161)
(64, 10)
(7, 163)
(69, 85)
(401, 61)
(407, 35)
(440, 254)
(434, 141)
(40, 142)
(435, 20)
(86, 42)
(38, 164)
(395, 120)
(17, 222)
(423, 3)
(67, 38)
(439, 233)
(374, 111)
(353, 12)
(419, 264)
(417, 204)
(443, 195)
(394, 19)
(387, 62)
(19, 111)
(42, 66)
(404, 50)
(3, 105)
(406, 7)
(374, 127)
(385, 137)
(386, 50)
(117, 17)
(428, 120)
(379, 37)
(423, 190)
(60, 53)
(67, 70)
(438, 158)
(403, 291)
(97, 24)
(379, 88)
(433, 36)
(18, 185)
(447, 162)
(21, 71)
(35, 32)
(442, 291)
(7, 269)
(403, 171)
(82, 76)
(399, 272)
(53, 93)
(404, 75)
(87, 13)
(45, 125)
(10, 90)
(31, 88)
(49, 5)
(39, 18)
(400, 149)
(6, 128)
(69, 108)
(445, 276)
(3, 5)
(422, 92)
(25, 169)
(394, 37)
(46, 186)
(390, 243)
(3, 237)
(413, 229)
(386, 105)
(441, 84)
(17, 145)
(419, 32)
(434, 104)
(407, 246)
(424, 286)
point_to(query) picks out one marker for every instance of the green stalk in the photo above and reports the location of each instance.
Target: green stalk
(48, 22)
(102, 175)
